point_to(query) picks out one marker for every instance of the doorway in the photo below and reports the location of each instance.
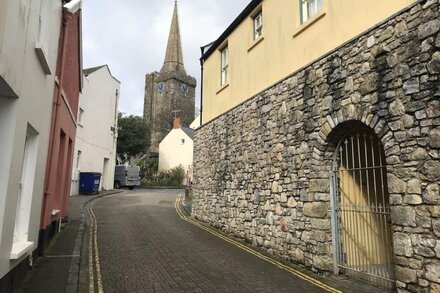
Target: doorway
(362, 235)
(105, 173)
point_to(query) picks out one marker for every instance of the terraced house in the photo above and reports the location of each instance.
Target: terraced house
(320, 137)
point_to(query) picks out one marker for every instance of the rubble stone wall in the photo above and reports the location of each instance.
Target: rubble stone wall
(262, 169)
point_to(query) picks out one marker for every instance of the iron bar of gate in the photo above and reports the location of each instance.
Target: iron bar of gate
(365, 168)
(363, 226)
(375, 240)
(333, 205)
(388, 243)
(370, 233)
(356, 217)
(350, 219)
(369, 274)
(355, 236)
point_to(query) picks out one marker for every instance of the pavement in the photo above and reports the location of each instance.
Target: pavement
(55, 271)
(145, 241)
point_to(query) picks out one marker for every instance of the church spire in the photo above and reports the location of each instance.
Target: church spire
(173, 58)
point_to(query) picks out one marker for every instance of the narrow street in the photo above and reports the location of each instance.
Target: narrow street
(145, 246)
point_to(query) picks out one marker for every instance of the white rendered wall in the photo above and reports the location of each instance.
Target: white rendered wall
(172, 152)
(32, 107)
(94, 137)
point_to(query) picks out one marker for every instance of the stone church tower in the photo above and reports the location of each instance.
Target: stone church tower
(170, 92)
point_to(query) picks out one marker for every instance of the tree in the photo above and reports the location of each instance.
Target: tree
(133, 136)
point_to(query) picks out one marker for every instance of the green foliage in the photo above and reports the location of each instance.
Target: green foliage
(148, 167)
(171, 178)
(133, 136)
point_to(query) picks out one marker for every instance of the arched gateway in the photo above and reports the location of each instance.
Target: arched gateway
(362, 237)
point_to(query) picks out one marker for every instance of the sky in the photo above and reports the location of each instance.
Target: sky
(131, 36)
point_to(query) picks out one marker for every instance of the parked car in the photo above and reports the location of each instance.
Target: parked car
(126, 176)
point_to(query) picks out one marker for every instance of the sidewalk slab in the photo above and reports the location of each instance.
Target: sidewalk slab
(58, 269)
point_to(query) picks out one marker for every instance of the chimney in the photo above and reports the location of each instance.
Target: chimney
(177, 123)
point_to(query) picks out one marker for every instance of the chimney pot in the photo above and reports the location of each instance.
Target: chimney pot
(177, 123)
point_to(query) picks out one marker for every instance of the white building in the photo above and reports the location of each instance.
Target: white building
(196, 123)
(95, 146)
(29, 35)
(177, 149)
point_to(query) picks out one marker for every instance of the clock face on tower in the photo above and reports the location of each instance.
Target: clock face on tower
(184, 88)
(161, 87)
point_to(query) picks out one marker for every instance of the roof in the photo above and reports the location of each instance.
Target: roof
(242, 16)
(188, 131)
(174, 57)
(87, 71)
(91, 70)
(73, 6)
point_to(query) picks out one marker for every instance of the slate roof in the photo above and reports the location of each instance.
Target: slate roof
(188, 131)
(87, 71)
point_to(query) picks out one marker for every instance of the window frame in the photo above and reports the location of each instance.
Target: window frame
(224, 65)
(305, 14)
(80, 116)
(258, 30)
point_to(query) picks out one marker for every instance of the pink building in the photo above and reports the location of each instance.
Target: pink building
(63, 125)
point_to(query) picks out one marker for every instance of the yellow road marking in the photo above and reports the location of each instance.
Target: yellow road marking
(93, 249)
(91, 269)
(254, 252)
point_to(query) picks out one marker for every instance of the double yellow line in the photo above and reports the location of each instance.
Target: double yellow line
(252, 251)
(94, 262)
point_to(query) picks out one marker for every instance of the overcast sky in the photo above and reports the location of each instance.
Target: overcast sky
(131, 36)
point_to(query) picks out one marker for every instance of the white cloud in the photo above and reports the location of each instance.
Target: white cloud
(131, 36)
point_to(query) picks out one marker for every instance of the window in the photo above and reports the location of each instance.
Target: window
(80, 115)
(21, 244)
(182, 141)
(78, 160)
(309, 8)
(225, 62)
(258, 25)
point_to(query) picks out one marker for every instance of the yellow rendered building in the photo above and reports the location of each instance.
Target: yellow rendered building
(271, 39)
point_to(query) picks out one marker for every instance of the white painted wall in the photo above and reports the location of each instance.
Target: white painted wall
(29, 112)
(94, 137)
(196, 123)
(174, 152)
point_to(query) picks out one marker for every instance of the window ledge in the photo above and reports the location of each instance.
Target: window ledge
(21, 248)
(42, 57)
(255, 43)
(222, 88)
(308, 23)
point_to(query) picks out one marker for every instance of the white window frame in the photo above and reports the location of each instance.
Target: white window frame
(224, 53)
(309, 8)
(80, 116)
(21, 244)
(258, 24)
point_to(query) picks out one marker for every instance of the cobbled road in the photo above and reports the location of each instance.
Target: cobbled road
(144, 246)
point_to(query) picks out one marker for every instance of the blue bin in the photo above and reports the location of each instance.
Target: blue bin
(89, 182)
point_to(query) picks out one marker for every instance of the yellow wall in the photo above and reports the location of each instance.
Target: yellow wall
(286, 46)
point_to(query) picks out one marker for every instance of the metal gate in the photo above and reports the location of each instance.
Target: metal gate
(362, 238)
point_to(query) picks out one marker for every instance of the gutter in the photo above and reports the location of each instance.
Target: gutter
(241, 17)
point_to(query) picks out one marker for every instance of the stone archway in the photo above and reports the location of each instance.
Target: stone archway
(362, 236)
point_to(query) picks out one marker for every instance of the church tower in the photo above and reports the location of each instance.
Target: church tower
(170, 92)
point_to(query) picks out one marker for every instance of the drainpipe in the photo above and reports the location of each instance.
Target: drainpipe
(202, 61)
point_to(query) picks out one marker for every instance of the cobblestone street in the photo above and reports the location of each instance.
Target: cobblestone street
(144, 246)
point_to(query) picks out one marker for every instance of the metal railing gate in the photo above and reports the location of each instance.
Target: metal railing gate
(362, 238)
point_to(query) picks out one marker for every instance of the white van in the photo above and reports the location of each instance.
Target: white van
(126, 176)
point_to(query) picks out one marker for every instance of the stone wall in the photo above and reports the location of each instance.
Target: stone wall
(262, 169)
